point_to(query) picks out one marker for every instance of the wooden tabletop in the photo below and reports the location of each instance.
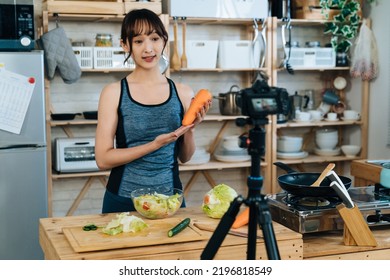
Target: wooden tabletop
(56, 245)
(330, 246)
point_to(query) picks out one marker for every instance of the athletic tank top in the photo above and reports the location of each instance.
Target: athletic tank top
(139, 124)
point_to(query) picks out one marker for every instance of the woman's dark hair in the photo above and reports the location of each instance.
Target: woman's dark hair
(141, 21)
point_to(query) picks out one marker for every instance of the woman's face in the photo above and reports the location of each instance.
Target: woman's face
(147, 50)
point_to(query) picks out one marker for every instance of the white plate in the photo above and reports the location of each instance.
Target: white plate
(229, 158)
(336, 120)
(344, 119)
(298, 155)
(333, 152)
(198, 160)
(301, 121)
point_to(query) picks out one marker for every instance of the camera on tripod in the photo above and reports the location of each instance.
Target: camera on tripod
(261, 100)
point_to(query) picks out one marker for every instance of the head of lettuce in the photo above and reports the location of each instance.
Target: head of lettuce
(217, 200)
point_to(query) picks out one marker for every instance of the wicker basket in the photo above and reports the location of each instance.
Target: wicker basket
(311, 10)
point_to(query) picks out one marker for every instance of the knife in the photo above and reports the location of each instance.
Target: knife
(340, 189)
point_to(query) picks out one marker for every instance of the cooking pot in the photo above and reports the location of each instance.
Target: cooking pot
(227, 102)
(299, 183)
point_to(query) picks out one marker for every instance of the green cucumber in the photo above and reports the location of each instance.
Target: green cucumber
(179, 227)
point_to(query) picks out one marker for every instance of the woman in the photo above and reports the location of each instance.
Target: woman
(142, 113)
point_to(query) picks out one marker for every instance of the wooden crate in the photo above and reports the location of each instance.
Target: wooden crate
(311, 10)
(153, 5)
(107, 7)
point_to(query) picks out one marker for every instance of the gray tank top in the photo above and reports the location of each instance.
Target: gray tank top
(139, 124)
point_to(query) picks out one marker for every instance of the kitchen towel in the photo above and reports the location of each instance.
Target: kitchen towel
(59, 54)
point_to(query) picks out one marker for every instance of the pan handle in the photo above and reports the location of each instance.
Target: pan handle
(285, 167)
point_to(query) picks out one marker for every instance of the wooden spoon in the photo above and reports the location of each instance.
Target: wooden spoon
(184, 56)
(175, 57)
(323, 175)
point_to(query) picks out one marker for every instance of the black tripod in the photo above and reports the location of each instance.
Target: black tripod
(258, 207)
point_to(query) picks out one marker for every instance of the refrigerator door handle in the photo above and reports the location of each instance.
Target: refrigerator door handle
(21, 146)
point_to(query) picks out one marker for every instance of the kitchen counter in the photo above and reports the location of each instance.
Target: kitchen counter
(330, 246)
(55, 244)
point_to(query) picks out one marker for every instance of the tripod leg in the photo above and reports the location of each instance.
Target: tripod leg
(222, 229)
(265, 222)
(252, 230)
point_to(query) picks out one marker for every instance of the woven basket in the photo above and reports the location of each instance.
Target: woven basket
(311, 10)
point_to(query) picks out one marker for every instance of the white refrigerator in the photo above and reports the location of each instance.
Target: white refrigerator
(23, 162)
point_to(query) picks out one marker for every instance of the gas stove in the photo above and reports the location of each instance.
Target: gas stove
(317, 214)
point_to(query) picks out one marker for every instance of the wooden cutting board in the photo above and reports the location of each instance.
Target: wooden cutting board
(155, 234)
(241, 231)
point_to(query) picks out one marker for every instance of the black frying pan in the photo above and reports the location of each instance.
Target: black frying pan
(299, 183)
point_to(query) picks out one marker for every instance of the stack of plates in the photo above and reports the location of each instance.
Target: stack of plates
(232, 156)
(201, 156)
(297, 155)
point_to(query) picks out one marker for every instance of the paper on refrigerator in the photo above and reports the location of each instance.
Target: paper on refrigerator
(15, 96)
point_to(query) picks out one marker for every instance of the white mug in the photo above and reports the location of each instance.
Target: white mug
(351, 115)
(332, 116)
(303, 116)
(316, 115)
(324, 108)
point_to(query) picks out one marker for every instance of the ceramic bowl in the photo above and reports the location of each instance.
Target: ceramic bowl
(231, 143)
(157, 203)
(350, 150)
(289, 144)
(327, 144)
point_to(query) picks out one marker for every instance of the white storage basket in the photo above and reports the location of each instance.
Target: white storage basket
(236, 54)
(84, 56)
(202, 54)
(109, 57)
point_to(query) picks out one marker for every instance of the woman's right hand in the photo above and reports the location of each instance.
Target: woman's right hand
(165, 139)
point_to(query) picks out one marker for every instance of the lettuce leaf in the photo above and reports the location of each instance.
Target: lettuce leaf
(124, 223)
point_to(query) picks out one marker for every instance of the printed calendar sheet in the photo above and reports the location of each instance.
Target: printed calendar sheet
(15, 96)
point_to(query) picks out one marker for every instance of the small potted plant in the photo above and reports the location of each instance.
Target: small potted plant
(343, 27)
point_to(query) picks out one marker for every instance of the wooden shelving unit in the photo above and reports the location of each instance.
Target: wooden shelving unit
(341, 125)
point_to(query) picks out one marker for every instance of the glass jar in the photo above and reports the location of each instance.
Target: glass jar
(385, 175)
(103, 40)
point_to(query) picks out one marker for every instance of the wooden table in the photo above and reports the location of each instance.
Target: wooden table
(365, 173)
(330, 246)
(55, 244)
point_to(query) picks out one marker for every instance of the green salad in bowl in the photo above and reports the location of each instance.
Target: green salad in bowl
(157, 203)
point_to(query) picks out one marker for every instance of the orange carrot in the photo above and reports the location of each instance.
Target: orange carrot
(241, 219)
(202, 97)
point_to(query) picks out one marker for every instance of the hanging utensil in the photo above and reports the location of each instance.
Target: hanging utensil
(323, 175)
(175, 57)
(263, 34)
(255, 43)
(184, 56)
(286, 59)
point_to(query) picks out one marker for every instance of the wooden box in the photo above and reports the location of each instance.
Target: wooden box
(107, 7)
(153, 5)
(311, 10)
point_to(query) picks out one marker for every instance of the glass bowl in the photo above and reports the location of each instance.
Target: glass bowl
(157, 203)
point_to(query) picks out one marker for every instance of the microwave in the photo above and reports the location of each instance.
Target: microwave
(17, 25)
(74, 155)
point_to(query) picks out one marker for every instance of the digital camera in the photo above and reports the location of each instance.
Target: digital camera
(261, 100)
